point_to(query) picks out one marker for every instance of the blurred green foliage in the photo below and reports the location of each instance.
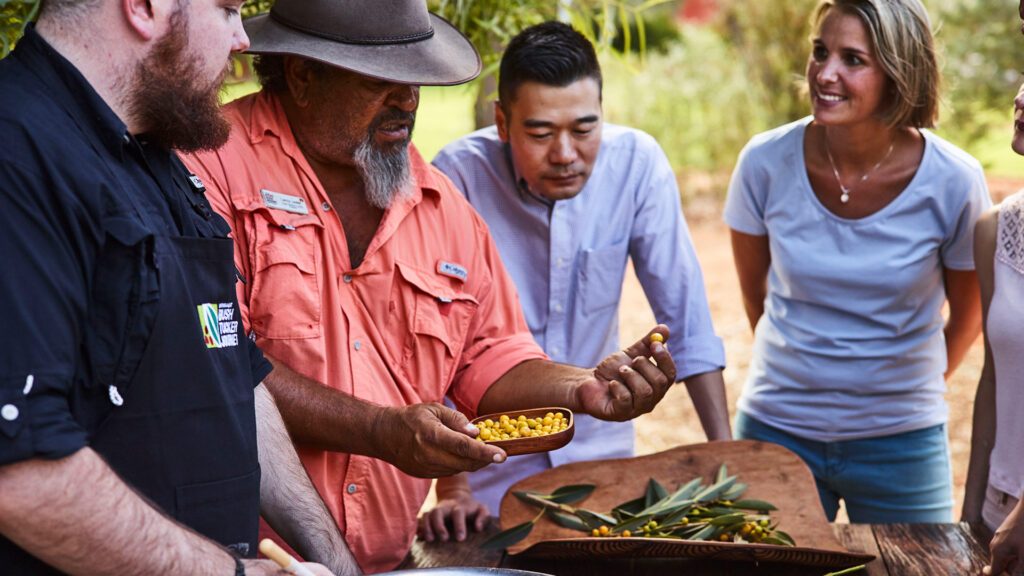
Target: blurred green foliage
(704, 90)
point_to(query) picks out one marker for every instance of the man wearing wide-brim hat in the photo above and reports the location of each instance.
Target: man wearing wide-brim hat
(371, 283)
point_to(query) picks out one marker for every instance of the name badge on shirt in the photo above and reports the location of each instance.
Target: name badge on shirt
(278, 201)
(197, 184)
(452, 270)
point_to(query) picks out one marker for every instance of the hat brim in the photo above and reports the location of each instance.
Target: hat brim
(446, 58)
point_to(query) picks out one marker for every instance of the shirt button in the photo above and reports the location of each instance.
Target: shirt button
(9, 412)
(351, 489)
(347, 278)
(326, 207)
(558, 307)
(555, 351)
(126, 138)
(357, 345)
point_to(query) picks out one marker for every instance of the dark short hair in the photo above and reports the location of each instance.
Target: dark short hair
(552, 54)
(270, 71)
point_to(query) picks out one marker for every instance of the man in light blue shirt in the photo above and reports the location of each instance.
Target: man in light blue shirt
(569, 200)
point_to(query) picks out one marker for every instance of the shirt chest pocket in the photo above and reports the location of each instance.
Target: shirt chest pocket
(600, 276)
(437, 317)
(286, 274)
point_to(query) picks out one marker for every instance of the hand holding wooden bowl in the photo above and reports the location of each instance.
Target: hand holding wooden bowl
(527, 431)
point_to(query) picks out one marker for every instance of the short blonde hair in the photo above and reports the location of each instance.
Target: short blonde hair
(901, 34)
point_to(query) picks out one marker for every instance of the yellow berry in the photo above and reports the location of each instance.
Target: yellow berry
(656, 337)
(626, 533)
(603, 530)
(595, 532)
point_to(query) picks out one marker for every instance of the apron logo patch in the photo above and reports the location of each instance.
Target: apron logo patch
(220, 329)
(279, 201)
(452, 270)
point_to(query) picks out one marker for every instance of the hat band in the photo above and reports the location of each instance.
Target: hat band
(408, 38)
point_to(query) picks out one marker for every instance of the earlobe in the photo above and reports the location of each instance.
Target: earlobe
(500, 121)
(298, 76)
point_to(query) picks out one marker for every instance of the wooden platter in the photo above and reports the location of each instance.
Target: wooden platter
(517, 446)
(772, 472)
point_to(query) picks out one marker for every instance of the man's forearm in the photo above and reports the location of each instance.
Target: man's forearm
(288, 500)
(77, 515)
(534, 384)
(314, 413)
(707, 392)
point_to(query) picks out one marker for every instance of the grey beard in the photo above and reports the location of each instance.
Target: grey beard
(385, 174)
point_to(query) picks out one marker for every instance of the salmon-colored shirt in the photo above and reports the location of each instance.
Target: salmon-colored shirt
(429, 312)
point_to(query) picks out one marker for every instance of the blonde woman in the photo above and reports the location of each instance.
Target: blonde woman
(851, 229)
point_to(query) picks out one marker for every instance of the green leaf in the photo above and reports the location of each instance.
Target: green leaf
(734, 492)
(568, 520)
(506, 538)
(728, 519)
(571, 494)
(633, 524)
(711, 493)
(596, 519)
(655, 493)
(786, 538)
(705, 533)
(527, 497)
(682, 496)
(759, 505)
(676, 516)
(629, 509)
(723, 473)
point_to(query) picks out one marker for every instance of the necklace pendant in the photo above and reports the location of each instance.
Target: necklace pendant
(845, 197)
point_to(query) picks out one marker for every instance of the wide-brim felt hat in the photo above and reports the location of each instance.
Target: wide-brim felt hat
(394, 40)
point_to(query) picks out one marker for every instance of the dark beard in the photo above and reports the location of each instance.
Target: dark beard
(385, 172)
(168, 100)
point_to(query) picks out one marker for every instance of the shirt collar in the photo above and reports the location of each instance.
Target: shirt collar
(71, 89)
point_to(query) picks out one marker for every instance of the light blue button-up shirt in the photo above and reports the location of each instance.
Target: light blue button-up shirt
(568, 260)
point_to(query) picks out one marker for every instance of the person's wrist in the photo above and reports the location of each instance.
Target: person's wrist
(380, 428)
(455, 494)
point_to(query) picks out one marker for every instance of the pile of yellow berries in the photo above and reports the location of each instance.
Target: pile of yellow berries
(508, 428)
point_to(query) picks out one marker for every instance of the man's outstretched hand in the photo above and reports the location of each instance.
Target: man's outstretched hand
(629, 383)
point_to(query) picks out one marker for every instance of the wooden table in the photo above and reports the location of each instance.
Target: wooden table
(901, 550)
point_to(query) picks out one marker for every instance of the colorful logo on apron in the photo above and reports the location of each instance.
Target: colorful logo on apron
(220, 329)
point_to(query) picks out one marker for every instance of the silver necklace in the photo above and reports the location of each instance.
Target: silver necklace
(844, 197)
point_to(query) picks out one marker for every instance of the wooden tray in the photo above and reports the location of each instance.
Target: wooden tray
(517, 446)
(772, 472)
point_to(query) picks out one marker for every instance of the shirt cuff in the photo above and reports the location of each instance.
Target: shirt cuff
(490, 365)
(697, 354)
(258, 364)
(36, 421)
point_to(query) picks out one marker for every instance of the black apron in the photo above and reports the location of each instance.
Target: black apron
(183, 432)
(166, 389)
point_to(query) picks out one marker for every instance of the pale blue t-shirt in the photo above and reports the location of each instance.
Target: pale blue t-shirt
(850, 344)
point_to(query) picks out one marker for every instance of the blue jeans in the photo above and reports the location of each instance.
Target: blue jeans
(890, 479)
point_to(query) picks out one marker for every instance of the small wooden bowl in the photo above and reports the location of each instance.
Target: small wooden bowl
(516, 446)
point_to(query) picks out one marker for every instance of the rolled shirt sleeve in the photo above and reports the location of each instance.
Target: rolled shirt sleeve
(50, 242)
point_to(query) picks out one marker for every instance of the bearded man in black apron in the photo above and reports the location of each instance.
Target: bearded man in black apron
(130, 397)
